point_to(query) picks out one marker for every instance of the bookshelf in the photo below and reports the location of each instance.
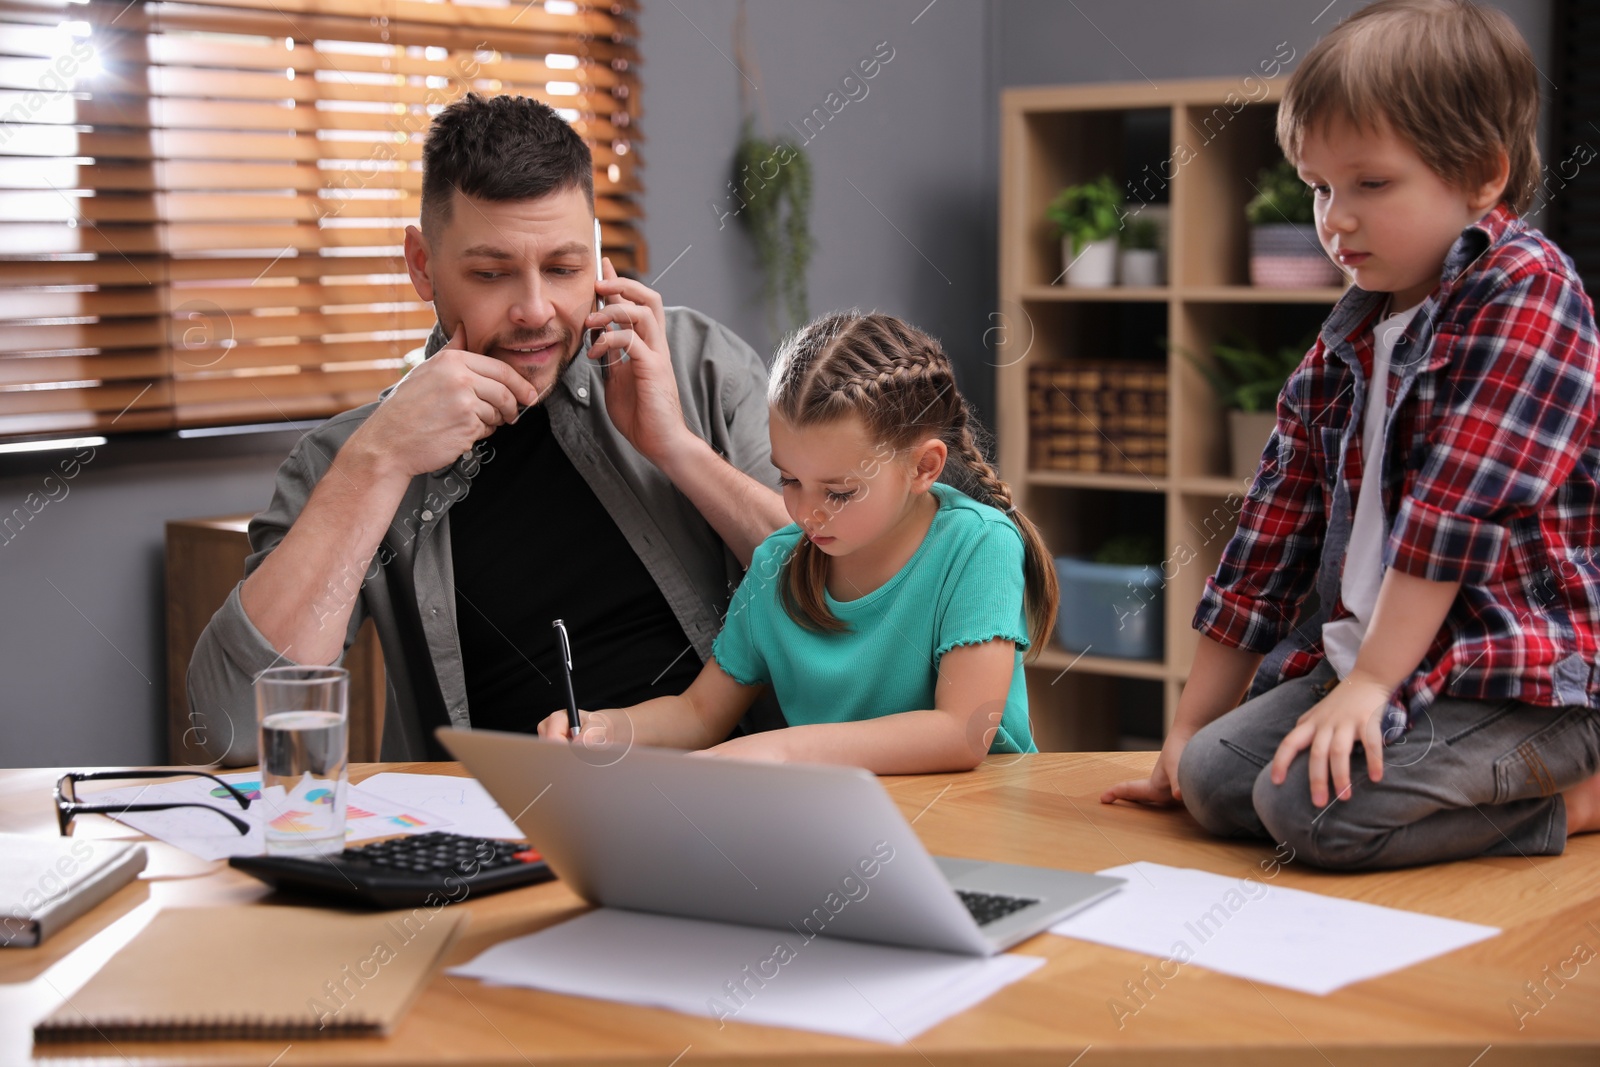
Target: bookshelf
(1190, 149)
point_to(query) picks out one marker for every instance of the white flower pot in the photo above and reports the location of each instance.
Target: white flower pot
(1093, 268)
(1141, 267)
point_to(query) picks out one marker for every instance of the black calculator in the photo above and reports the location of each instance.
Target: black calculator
(405, 872)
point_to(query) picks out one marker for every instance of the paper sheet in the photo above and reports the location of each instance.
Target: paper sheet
(728, 973)
(468, 806)
(367, 815)
(1268, 933)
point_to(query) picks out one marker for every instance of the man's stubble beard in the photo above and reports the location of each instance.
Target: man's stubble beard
(533, 375)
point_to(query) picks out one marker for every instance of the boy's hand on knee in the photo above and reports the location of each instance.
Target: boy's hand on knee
(1352, 712)
(1160, 790)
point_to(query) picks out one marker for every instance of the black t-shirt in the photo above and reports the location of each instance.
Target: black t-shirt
(531, 543)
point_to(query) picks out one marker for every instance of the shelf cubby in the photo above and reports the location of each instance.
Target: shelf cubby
(1189, 152)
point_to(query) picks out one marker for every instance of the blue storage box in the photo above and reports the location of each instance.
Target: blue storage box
(1111, 609)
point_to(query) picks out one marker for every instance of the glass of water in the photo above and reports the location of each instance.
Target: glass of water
(303, 714)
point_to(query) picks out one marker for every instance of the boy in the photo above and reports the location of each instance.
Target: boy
(1459, 579)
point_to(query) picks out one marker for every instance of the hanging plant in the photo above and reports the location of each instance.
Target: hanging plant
(777, 215)
(772, 188)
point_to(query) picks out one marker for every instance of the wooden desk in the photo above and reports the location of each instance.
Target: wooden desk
(1451, 1011)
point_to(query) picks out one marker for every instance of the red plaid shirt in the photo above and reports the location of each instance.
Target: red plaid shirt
(1491, 475)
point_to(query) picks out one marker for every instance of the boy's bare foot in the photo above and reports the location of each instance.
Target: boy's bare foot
(1583, 806)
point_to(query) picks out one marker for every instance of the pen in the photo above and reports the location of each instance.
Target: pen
(573, 724)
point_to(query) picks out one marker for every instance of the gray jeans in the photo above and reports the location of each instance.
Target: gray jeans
(1472, 778)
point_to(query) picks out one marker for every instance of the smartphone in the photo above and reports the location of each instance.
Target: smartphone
(599, 301)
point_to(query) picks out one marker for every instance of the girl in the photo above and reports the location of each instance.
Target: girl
(892, 616)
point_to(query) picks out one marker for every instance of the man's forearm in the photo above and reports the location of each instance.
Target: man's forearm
(742, 510)
(1404, 623)
(301, 596)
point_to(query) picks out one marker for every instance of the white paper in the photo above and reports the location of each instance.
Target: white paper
(746, 974)
(464, 801)
(1268, 933)
(212, 837)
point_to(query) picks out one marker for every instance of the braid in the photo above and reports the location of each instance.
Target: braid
(970, 455)
(903, 372)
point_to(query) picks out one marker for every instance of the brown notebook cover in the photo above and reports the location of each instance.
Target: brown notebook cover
(259, 972)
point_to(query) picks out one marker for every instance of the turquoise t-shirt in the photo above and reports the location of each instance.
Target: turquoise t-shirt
(962, 586)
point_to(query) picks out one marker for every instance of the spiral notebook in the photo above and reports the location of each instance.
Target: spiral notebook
(259, 972)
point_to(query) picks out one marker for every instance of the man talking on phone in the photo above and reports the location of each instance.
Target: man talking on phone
(550, 458)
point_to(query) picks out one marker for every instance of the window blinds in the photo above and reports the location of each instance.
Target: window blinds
(202, 204)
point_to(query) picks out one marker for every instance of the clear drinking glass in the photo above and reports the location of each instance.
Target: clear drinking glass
(304, 715)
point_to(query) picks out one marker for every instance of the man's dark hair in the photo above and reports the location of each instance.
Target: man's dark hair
(500, 148)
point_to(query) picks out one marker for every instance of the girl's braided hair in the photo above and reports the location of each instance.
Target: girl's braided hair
(899, 382)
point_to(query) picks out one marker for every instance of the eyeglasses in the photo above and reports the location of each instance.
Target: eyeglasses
(69, 807)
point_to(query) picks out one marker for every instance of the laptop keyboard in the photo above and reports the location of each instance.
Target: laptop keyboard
(987, 907)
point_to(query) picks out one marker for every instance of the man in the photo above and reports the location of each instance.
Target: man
(626, 499)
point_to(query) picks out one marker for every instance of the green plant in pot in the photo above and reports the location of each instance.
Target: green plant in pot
(1087, 218)
(1284, 250)
(771, 193)
(1247, 381)
(1113, 604)
(777, 215)
(1140, 261)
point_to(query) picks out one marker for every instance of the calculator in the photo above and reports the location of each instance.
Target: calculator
(404, 872)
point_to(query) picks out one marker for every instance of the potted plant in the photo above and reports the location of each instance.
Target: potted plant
(1112, 604)
(1247, 382)
(777, 215)
(1140, 264)
(771, 195)
(1284, 250)
(1087, 218)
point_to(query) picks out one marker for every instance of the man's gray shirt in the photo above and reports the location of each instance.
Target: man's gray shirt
(722, 389)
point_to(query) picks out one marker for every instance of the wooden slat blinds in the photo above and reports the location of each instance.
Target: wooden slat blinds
(202, 204)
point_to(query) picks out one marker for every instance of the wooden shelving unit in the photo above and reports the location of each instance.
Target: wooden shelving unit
(1195, 147)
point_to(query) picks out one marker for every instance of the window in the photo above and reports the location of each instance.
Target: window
(202, 204)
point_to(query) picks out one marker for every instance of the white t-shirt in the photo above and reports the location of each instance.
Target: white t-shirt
(1363, 558)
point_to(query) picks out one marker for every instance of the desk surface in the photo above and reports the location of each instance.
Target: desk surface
(1456, 1010)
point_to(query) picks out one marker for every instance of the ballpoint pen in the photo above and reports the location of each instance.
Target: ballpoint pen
(573, 723)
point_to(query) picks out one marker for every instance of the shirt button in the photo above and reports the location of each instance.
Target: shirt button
(434, 612)
(427, 516)
(583, 392)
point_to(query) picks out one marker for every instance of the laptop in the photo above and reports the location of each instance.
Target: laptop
(819, 850)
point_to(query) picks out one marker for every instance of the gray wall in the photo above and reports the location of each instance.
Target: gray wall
(1046, 42)
(903, 216)
(903, 200)
(83, 652)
